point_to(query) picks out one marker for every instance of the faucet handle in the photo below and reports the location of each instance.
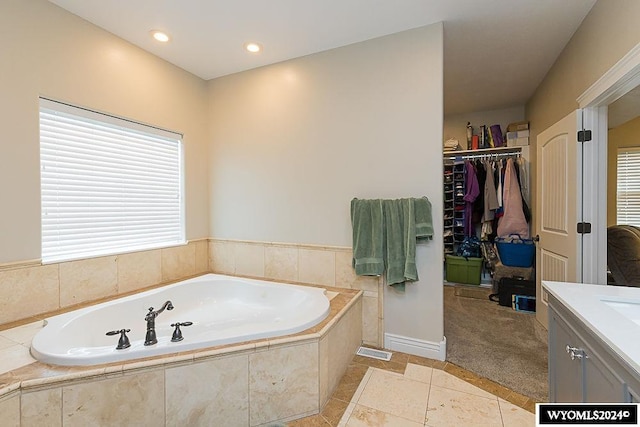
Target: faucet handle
(177, 333)
(182, 324)
(123, 342)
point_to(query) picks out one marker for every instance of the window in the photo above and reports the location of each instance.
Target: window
(628, 187)
(108, 185)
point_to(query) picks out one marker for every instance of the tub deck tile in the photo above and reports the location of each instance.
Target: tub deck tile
(297, 338)
(248, 347)
(9, 387)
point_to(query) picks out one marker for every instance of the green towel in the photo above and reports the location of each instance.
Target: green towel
(385, 234)
(400, 239)
(424, 225)
(368, 237)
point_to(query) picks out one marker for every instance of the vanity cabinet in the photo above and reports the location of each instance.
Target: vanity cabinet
(582, 367)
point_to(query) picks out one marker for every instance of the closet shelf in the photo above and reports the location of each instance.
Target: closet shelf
(482, 152)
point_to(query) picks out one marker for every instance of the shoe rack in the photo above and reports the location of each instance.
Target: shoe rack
(454, 190)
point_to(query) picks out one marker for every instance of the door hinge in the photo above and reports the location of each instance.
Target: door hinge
(584, 135)
(584, 228)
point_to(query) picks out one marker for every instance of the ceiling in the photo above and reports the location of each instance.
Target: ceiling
(496, 52)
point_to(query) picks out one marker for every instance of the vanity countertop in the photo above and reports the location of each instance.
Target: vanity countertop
(612, 313)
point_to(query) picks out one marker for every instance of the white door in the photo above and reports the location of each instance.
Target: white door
(557, 187)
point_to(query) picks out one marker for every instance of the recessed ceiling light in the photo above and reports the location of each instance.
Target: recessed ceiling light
(160, 36)
(253, 47)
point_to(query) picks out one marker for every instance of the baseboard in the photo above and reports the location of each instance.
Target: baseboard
(429, 349)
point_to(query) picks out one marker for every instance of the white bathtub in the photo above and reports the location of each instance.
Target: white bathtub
(223, 309)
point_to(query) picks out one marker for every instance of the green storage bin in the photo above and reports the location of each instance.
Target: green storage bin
(463, 270)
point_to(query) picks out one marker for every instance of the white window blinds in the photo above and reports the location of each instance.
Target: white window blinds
(107, 185)
(628, 186)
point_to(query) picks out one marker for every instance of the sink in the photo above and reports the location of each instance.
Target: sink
(629, 308)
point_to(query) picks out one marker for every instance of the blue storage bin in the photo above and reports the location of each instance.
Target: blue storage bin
(515, 251)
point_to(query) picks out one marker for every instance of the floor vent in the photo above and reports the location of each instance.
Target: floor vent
(374, 354)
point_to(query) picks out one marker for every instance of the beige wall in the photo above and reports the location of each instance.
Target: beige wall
(624, 136)
(294, 142)
(608, 32)
(46, 51)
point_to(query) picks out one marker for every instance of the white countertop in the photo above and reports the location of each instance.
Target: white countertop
(619, 331)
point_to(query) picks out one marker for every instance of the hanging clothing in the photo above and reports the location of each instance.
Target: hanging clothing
(490, 194)
(513, 221)
(472, 192)
(525, 207)
(524, 180)
(478, 204)
(490, 201)
(499, 189)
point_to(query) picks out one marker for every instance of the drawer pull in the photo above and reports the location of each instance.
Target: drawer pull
(575, 352)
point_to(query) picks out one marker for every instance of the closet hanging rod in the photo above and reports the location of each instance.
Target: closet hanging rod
(485, 153)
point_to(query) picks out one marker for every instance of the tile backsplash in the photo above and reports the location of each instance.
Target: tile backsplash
(34, 290)
(318, 265)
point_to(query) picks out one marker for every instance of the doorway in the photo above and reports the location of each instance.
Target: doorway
(594, 105)
(613, 88)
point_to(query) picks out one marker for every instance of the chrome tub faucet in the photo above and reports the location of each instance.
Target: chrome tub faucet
(150, 318)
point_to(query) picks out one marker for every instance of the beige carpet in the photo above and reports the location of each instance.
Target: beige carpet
(495, 342)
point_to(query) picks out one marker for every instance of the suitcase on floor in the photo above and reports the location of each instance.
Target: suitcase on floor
(509, 286)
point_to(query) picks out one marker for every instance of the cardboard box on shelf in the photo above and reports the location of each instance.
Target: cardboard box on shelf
(518, 126)
(518, 138)
(517, 142)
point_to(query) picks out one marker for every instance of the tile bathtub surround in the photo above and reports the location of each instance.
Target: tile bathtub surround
(306, 264)
(70, 284)
(281, 263)
(10, 410)
(41, 408)
(37, 291)
(136, 399)
(88, 280)
(28, 291)
(288, 391)
(214, 379)
(226, 403)
(136, 270)
(375, 392)
(179, 261)
(333, 365)
(322, 265)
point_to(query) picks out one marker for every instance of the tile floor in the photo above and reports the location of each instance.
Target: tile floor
(413, 391)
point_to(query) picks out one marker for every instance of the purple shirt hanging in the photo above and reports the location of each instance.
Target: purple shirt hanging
(473, 190)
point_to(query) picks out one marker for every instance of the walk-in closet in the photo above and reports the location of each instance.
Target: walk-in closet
(486, 197)
(489, 255)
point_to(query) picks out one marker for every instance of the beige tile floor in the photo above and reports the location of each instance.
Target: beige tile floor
(413, 391)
